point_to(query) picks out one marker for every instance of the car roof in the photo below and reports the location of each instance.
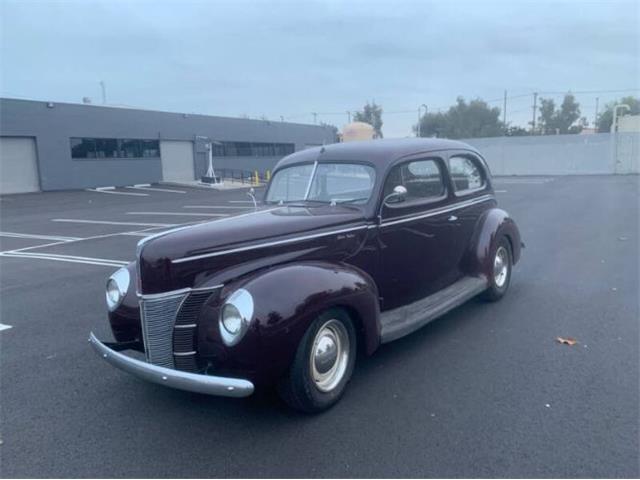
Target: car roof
(381, 153)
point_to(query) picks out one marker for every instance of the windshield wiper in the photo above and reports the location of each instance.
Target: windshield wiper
(351, 200)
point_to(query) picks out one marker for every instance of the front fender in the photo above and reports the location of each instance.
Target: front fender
(287, 299)
(492, 225)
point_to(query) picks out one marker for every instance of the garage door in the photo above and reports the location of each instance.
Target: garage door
(177, 161)
(18, 169)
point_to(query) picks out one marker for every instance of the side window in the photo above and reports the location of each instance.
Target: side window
(422, 179)
(466, 175)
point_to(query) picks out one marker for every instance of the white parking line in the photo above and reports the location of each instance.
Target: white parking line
(152, 189)
(72, 257)
(66, 258)
(4, 327)
(216, 206)
(180, 214)
(138, 234)
(105, 222)
(38, 237)
(500, 191)
(117, 193)
(241, 201)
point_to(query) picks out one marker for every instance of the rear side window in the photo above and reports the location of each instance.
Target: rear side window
(422, 179)
(466, 174)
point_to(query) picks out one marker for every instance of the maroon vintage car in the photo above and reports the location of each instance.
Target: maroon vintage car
(354, 245)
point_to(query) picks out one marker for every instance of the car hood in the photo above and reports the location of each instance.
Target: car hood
(189, 256)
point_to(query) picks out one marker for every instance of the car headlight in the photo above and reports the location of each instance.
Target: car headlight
(117, 287)
(235, 316)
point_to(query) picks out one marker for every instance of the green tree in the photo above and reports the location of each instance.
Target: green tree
(371, 114)
(463, 120)
(606, 118)
(554, 120)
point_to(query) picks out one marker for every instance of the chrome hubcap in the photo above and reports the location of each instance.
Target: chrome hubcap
(501, 267)
(329, 355)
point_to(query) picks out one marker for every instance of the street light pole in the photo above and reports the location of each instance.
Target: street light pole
(419, 129)
(614, 134)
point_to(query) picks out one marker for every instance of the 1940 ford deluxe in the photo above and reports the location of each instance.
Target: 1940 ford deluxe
(355, 245)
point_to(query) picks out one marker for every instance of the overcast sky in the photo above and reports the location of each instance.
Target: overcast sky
(292, 58)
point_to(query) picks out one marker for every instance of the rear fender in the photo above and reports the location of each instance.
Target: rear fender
(491, 227)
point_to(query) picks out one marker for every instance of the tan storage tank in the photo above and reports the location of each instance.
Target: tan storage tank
(357, 131)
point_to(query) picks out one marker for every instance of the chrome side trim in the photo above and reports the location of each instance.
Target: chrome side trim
(267, 244)
(184, 354)
(439, 211)
(179, 327)
(192, 382)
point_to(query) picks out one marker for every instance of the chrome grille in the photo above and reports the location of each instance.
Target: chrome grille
(158, 318)
(184, 335)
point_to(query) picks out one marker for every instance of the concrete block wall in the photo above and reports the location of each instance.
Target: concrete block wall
(561, 154)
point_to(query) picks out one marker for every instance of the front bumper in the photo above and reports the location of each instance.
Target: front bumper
(192, 382)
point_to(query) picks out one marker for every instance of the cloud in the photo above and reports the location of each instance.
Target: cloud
(292, 58)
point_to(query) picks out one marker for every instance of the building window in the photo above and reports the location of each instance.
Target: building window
(114, 148)
(252, 149)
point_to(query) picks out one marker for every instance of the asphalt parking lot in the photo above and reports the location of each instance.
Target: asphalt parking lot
(485, 391)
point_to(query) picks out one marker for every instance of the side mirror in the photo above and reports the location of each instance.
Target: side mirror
(399, 194)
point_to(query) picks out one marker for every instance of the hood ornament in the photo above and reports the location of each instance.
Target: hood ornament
(252, 194)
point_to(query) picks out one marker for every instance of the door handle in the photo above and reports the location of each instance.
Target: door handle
(452, 218)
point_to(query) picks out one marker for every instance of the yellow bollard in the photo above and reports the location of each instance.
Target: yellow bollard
(256, 178)
(268, 175)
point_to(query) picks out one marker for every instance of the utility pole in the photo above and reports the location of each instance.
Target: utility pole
(349, 116)
(535, 105)
(595, 122)
(315, 117)
(104, 92)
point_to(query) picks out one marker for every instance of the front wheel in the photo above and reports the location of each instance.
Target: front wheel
(323, 363)
(501, 273)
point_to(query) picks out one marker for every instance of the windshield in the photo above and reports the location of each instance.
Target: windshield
(323, 182)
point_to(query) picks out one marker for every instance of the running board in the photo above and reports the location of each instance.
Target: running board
(404, 320)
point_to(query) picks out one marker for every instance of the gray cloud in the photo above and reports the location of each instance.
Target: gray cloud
(291, 58)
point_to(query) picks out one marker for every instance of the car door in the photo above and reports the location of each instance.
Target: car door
(472, 192)
(415, 234)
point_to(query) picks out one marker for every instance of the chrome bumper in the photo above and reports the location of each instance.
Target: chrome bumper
(192, 382)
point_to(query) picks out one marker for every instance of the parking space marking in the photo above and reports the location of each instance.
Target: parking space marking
(240, 201)
(216, 206)
(117, 193)
(152, 189)
(180, 214)
(4, 327)
(66, 258)
(31, 236)
(106, 222)
(500, 191)
(138, 234)
(523, 181)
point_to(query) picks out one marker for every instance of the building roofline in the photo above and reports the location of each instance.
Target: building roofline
(140, 109)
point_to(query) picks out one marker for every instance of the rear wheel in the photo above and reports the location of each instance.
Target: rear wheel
(323, 363)
(501, 273)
